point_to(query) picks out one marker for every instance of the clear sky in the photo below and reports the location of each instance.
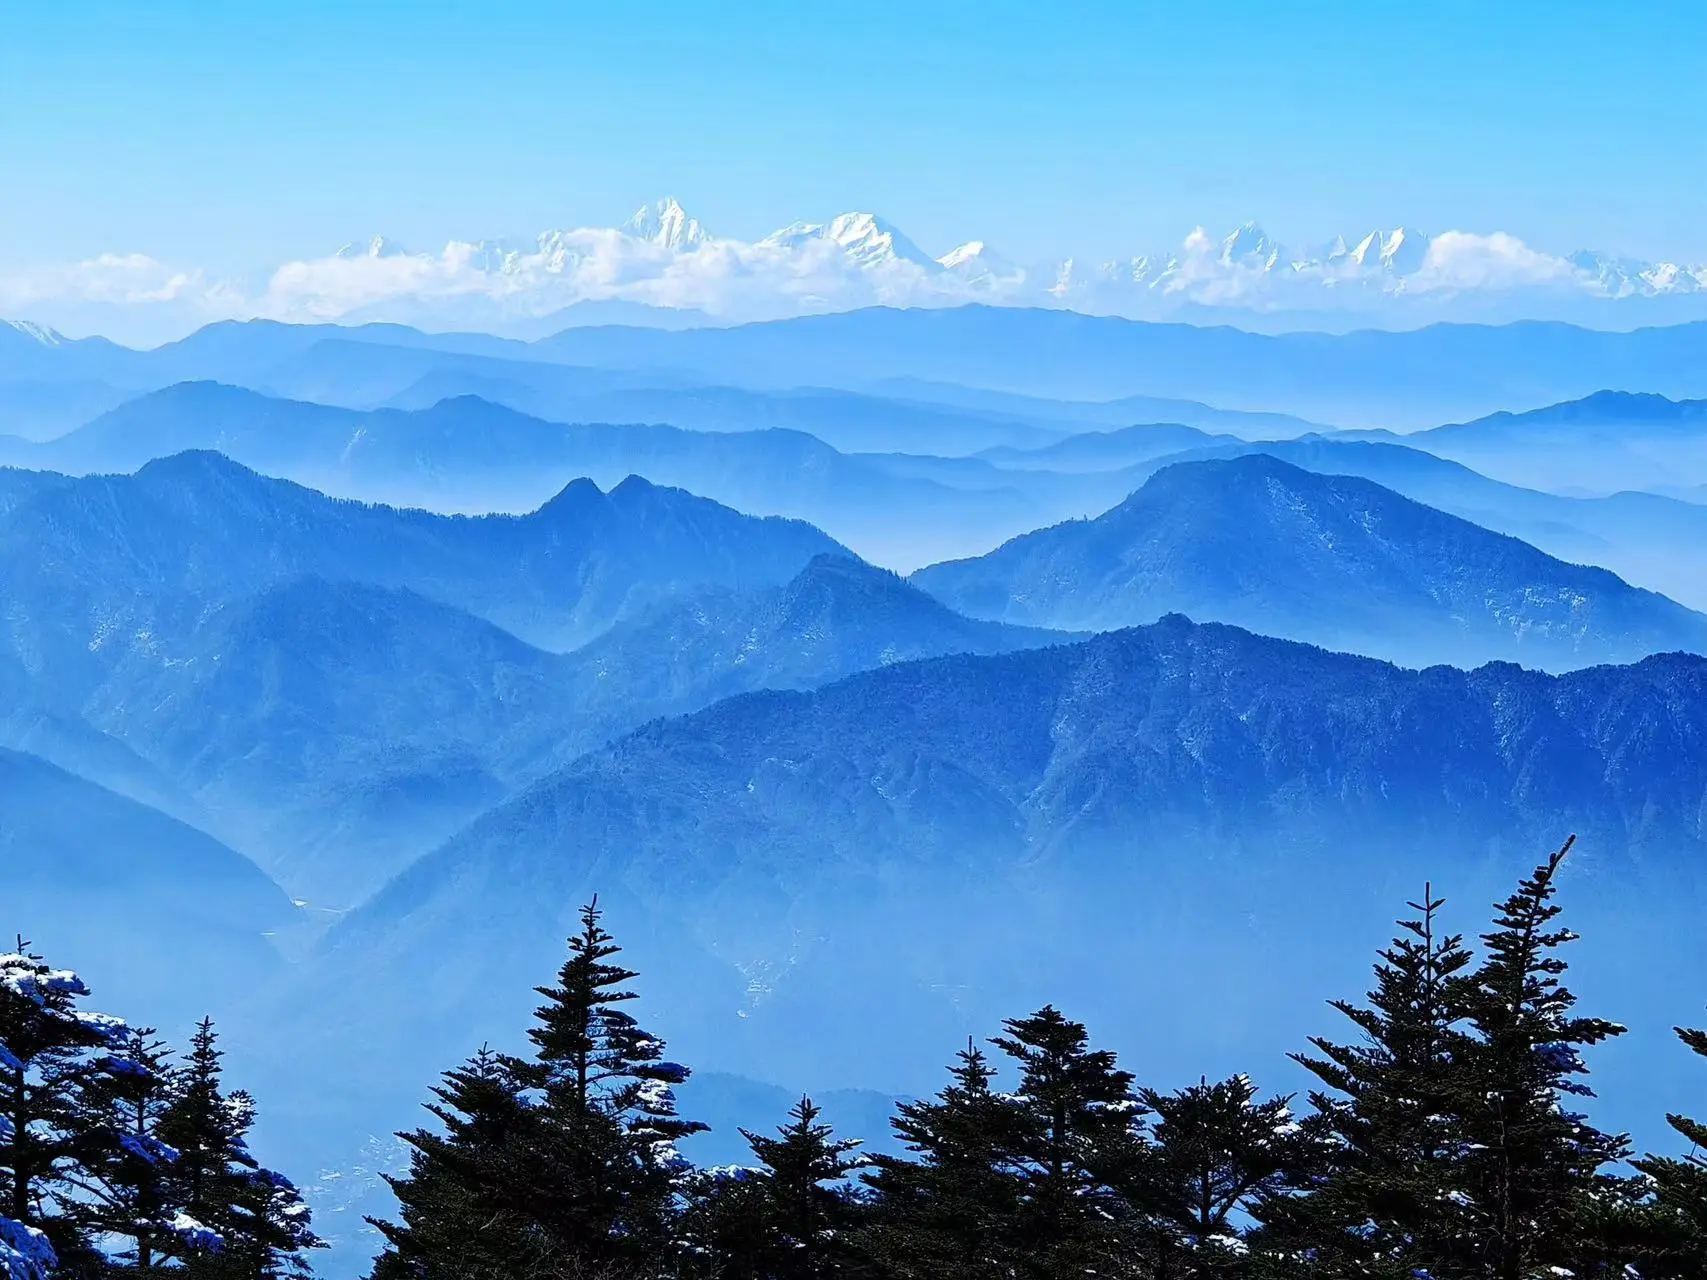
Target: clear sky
(232, 135)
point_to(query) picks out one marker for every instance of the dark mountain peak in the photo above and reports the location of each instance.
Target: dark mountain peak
(1246, 485)
(841, 582)
(199, 464)
(469, 408)
(1337, 560)
(201, 394)
(844, 566)
(637, 488)
(1602, 408)
(574, 500)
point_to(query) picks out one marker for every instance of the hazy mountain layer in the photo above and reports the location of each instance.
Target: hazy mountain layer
(338, 730)
(1333, 560)
(116, 561)
(921, 847)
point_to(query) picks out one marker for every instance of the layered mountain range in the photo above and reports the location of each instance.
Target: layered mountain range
(273, 710)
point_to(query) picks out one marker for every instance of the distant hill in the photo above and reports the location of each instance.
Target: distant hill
(1368, 378)
(108, 561)
(836, 617)
(1109, 450)
(467, 454)
(1602, 443)
(134, 898)
(1333, 560)
(1365, 378)
(921, 847)
(1647, 539)
(337, 729)
(845, 420)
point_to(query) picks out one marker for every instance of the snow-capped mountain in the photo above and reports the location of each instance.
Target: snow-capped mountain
(663, 257)
(36, 332)
(980, 266)
(666, 224)
(866, 239)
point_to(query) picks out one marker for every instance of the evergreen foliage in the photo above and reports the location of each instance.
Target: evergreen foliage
(1217, 1150)
(562, 1161)
(1532, 1168)
(951, 1211)
(1679, 1241)
(1442, 1142)
(806, 1209)
(114, 1160)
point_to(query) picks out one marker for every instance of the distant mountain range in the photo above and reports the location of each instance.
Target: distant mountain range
(468, 454)
(954, 356)
(1649, 539)
(327, 685)
(991, 820)
(1334, 560)
(664, 262)
(1602, 443)
(110, 561)
(339, 730)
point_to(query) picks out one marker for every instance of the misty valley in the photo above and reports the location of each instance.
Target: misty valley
(694, 739)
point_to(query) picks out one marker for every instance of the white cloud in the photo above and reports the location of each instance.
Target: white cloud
(1198, 243)
(516, 287)
(1464, 260)
(127, 279)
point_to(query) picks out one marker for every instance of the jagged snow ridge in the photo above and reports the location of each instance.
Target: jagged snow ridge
(866, 239)
(39, 332)
(664, 257)
(667, 224)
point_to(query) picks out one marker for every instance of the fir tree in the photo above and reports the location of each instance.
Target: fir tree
(1216, 1151)
(1069, 1133)
(1386, 1193)
(465, 1207)
(605, 1171)
(1680, 1192)
(47, 1046)
(952, 1212)
(1535, 1174)
(125, 1166)
(724, 1232)
(237, 1220)
(809, 1213)
(560, 1162)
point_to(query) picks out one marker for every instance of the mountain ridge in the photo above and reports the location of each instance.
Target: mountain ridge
(1342, 561)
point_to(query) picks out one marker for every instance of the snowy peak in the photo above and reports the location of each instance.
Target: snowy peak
(666, 224)
(866, 239)
(374, 247)
(1251, 248)
(978, 264)
(36, 332)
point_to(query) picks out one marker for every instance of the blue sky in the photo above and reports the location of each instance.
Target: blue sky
(231, 136)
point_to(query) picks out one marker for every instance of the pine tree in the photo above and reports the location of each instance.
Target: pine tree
(604, 1169)
(724, 1232)
(1535, 1173)
(809, 1213)
(1680, 1192)
(1216, 1152)
(1070, 1133)
(1386, 1193)
(558, 1162)
(465, 1204)
(47, 1046)
(236, 1220)
(952, 1211)
(126, 1167)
